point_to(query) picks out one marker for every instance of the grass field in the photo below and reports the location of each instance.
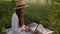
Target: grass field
(47, 15)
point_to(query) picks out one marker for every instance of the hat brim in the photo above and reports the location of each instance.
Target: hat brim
(21, 6)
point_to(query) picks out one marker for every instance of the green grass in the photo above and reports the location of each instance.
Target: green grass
(47, 15)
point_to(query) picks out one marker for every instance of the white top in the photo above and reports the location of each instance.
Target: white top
(15, 22)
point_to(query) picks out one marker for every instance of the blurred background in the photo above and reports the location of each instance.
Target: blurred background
(46, 12)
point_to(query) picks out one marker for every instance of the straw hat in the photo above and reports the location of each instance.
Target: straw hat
(20, 2)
